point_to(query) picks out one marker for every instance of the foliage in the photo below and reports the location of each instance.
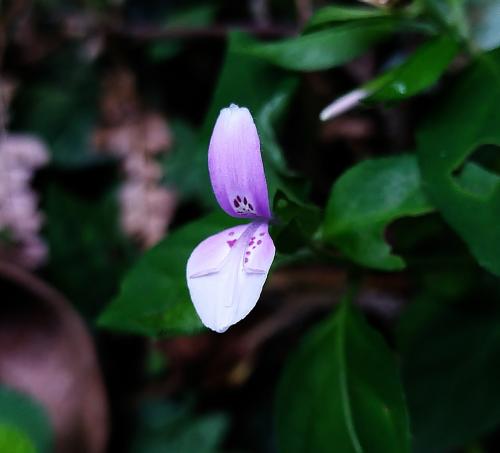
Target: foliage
(365, 199)
(158, 282)
(402, 194)
(62, 111)
(166, 427)
(474, 100)
(85, 231)
(349, 395)
(24, 427)
(324, 48)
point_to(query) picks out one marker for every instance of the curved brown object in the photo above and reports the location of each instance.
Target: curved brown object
(46, 352)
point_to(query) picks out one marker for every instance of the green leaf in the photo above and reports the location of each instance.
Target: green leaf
(185, 167)
(295, 224)
(197, 15)
(341, 392)
(154, 298)
(322, 49)
(422, 70)
(364, 200)
(190, 16)
(14, 440)
(451, 373)
(476, 180)
(268, 115)
(337, 13)
(165, 427)
(467, 119)
(24, 426)
(238, 79)
(85, 232)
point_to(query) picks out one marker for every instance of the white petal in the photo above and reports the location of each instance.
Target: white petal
(343, 104)
(225, 278)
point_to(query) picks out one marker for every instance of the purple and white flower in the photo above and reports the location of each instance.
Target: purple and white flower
(226, 272)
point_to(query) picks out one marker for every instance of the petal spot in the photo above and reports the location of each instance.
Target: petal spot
(231, 242)
(243, 206)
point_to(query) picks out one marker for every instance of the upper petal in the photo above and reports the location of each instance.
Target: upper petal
(235, 165)
(225, 278)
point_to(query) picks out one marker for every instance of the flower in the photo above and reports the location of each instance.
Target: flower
(226, 272)
(20, 156)
(344, 103)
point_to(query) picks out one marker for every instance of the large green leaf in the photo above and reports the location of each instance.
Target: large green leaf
(322, 49)
(341, 392)
(468, 118)
(364, 200)
(451, 370)
(420, 71)
(154, 297)
(24, 426)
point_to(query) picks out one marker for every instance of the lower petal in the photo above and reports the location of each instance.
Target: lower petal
(225, 282)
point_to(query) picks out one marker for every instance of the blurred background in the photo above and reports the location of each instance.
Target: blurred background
(105, 114)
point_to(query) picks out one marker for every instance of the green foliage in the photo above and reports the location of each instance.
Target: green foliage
(295, 223)
(341, 391)
(14, 441)
(236, 84)
(154, 299)
(420, 71)
(322, 49)
(184, 166)
(63, 111)
(451, 372)
(168, 428)
(24, 426)
(86, 245)
(473, 105)
(191, 16)
(364, 200)
(332, 14)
